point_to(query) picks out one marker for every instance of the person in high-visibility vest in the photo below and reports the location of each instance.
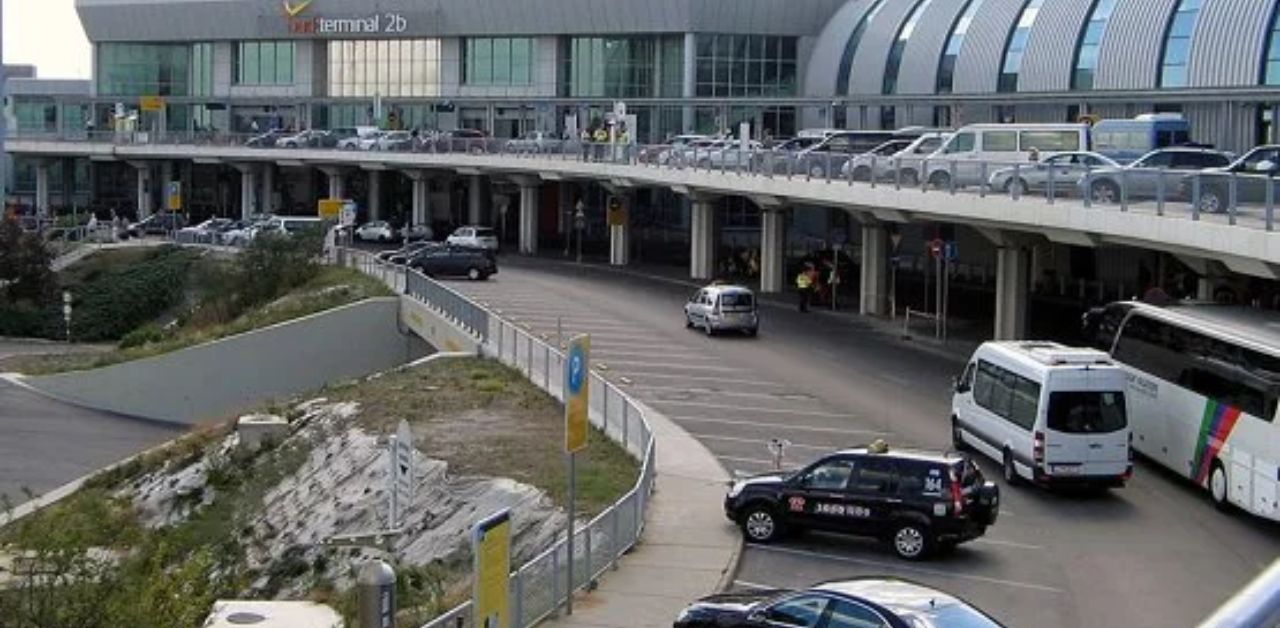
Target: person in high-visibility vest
(804, 286)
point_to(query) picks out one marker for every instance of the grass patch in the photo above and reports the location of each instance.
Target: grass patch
(331, 287)
(486, 419)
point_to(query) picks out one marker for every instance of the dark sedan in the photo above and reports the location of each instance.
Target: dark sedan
(859, 603)
(457, 261)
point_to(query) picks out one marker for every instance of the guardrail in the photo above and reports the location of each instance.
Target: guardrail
(1245, 198)
(540, 586)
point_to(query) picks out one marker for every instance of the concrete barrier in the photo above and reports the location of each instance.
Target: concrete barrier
(220, 378)
(438, 331)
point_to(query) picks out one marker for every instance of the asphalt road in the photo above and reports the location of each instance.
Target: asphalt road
(1152, 554)
(46, 443)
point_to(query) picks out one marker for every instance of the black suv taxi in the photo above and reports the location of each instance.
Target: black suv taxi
(918, 501)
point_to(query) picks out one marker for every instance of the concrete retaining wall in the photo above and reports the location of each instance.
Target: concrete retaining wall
(434, 328)
(214, 380)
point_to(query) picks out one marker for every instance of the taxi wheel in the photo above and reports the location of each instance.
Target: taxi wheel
(957, 439)
(474, 274)
(1218, 487)
(1011, 476)
(688, 322)
(912, 541)
(760, 525)
(709, 329)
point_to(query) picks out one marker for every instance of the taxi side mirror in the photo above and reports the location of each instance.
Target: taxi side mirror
(959, 385)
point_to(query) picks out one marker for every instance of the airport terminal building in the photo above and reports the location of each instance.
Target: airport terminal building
(680, 65)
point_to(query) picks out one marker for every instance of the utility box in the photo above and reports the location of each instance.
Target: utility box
(256, 429)
(264, 614)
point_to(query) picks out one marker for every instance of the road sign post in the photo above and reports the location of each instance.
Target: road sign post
(577, 386)
(401, 493)
(491, 582)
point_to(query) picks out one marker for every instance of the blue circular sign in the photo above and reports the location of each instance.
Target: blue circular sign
(577, 371)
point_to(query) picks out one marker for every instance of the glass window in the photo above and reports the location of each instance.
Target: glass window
(874, 476)
(1016, 46)
(363, 69)
(1025, 401)
(1050, 141)
(1177, 44)
(803, 611)
(264, 63)
(743, 65)
(831, 476)
(847, 614)
(1271, 62)
(894, 64)
(151, 69)
(1090, 41)
(960, 143)
(1000, 141)
(851, 47)
(1086, 412)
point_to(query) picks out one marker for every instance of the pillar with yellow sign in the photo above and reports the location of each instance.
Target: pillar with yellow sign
(619, 232)
(577, 406)
(491, 586)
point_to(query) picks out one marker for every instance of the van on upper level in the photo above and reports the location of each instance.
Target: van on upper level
(960, 160)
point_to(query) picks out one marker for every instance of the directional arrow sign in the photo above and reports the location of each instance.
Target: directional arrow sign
(401, 473)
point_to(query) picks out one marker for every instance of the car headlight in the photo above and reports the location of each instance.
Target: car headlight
(736, 489)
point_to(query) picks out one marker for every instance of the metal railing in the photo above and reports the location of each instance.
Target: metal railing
(540, 586)
(1234, 198)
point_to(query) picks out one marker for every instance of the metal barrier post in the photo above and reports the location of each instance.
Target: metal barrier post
(924, 176)
(1015, 186)
(873, 177)
(605, 411)
(555, 578)
(614, 542)
(982, 185)
(501, 337)
(588, 575)
(1271, 202)
(626, 422)
(951, 180)
(517, 609)
(827, 171)
(546, 366)
(1160, 191)
(1051, 188)
(897, 173)
(1087, 194)
(1231, 199)
(1195, 198)
(1124, 190)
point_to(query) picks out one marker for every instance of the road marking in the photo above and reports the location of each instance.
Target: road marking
(753, 585)
(668, 366)
(766, 463)
(721, 406)
(635, 354)
(778, 426)
(757, 441)
(899, 565)
(1014, 544)
(724, 380)
(730, 393)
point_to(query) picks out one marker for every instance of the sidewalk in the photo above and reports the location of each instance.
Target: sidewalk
(688, 550)
(958, 347)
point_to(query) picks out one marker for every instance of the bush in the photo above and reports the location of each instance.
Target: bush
(145, 334)
(117, 301)
(272, 265)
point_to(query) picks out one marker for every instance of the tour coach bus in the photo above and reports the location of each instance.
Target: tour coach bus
(1203, 381)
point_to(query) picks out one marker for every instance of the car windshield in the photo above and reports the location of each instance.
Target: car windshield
(949, 616)
(484, 233)
(737, 301)
(1086, 411)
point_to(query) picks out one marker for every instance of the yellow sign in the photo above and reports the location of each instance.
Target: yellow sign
(151, 103)
(175, 196)
(491, 546)
(577, 380)
(292, 10)
(617, 213)
(330, 208)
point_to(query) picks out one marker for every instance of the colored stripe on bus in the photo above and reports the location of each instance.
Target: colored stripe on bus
(1215, 427)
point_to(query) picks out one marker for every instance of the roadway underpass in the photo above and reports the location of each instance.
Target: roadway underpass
(1120, 558)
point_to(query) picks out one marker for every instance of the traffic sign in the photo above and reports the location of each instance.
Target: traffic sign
(401, 473)
(329, 208)
(151, 103)
(348, 213)
(175, 195)
(617, 213)
(491, 547)
(951, 251)
(935, 247)
(577, 380)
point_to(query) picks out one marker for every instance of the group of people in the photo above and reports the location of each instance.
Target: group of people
(743, 263)
(814, 286)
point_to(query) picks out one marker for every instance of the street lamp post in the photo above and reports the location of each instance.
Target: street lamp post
(66, 311)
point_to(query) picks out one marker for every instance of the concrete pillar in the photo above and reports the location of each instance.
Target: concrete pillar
(529, 219)
(420, 201)
(144, 190)
(248, 195)
(619, 244)
(875, 273)
(337, 184)
(375, 195)
(702, 239)
(68, 183)
(475, 200)
(1012, 267)
(773, 251)
(1204, 289)
(42, 188)
(267, 199)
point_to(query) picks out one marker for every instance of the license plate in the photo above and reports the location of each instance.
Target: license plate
(1065, 469)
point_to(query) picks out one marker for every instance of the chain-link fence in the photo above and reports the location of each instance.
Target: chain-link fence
(540, 586)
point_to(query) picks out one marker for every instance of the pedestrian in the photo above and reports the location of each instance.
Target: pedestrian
(804, 286)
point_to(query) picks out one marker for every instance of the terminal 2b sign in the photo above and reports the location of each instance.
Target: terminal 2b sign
(300, 21)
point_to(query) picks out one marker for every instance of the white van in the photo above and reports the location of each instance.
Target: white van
(1048, 413)
(999, 146)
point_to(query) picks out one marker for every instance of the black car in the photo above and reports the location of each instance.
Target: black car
(407, 252)
(158, 224)
(857, 603)
(475, 264)
(917, 501)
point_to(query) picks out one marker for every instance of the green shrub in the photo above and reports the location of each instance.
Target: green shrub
(116, 301)
(146, 334)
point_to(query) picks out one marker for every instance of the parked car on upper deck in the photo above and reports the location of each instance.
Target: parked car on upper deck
(1252, 173)
(1064, 169)
(1143, 179)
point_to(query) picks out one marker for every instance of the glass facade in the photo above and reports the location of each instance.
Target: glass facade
(390, 68)
(1271, 63)
(497, 61)
(143, 69)
(745, 65)
(1090, 41)
(947, 63)
(894, 63)
(851, 47)
(264, 62)
(613, 67)
(202, 69)
(1016, 46)
(39, 115)
(1177, 44)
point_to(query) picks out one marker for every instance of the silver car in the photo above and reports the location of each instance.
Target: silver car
(1065, 169)
(1142, 178)
(717, 308)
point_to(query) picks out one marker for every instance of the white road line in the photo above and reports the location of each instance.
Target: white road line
(1014, 544)
(767, 463)
(757, 441)
(778, 426)
(723, 380)
(668, 366)
(729, 393)
(721, 406)
(881, 564)
(604, 353)
(753, 585)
